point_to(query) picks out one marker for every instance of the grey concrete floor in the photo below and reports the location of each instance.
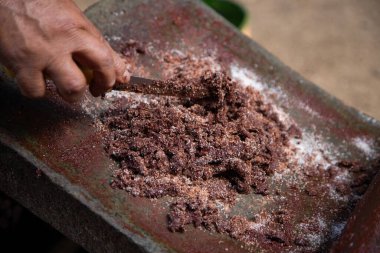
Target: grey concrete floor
(334, 43)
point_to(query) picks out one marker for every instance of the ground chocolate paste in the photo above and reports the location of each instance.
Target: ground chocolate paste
(203, 151)
(206, 152)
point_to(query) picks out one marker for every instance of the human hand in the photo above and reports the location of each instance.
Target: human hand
(53, 38)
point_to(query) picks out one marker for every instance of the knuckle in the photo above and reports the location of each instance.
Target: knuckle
(26, 53)
(70, 26)
(22, 53)
(32, 92)
(105, 58)
(74, 87)
(30, 88)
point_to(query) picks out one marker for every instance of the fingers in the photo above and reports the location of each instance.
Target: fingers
(31, 83)
(102, 81)
(106, 65)
(97, 57)
(68, 78)
(121, 70)
(92, 53)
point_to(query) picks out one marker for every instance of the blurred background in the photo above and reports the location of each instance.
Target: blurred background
(334, 43)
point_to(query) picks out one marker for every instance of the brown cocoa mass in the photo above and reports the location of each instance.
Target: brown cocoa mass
(203, 151)
(215, 143)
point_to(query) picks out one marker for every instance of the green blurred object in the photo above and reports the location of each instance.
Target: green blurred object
(230, 10)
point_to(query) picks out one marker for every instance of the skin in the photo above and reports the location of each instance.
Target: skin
(52, 38)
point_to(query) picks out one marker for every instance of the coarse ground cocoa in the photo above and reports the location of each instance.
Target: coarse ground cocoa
(203, 151)
(208, 151)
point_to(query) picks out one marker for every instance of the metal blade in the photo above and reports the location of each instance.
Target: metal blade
(185, 89)
(142, 81)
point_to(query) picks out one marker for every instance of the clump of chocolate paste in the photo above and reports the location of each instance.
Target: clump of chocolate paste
(202, 151)
(217, 142)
